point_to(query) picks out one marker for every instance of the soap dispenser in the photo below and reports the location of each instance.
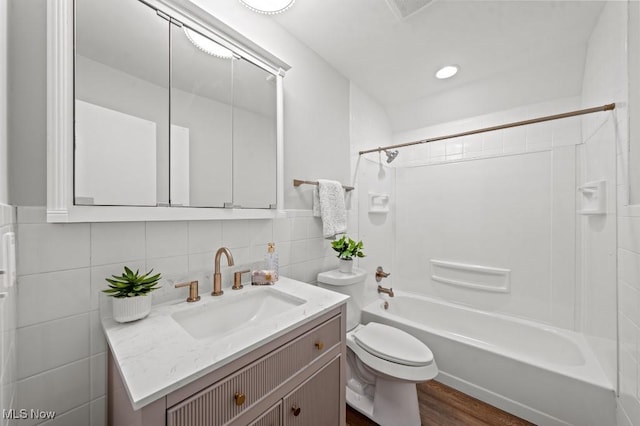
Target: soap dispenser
(271, 258)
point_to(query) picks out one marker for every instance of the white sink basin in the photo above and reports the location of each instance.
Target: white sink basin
(232, 312)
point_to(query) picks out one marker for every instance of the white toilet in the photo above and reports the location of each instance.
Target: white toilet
(383, 363)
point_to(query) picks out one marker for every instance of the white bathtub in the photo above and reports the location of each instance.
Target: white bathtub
(546, 375)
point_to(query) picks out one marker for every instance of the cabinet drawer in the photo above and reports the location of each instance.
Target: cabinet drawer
(223, 401)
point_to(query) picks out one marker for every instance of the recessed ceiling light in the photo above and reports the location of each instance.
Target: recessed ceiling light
(447, 72)
(269, 7)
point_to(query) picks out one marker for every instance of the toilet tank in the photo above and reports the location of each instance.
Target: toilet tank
(351, 284)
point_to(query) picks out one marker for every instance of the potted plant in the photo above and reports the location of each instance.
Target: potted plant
(131, 294)
(347, 249)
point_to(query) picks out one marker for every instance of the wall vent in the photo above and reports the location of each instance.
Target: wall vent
(405, 8)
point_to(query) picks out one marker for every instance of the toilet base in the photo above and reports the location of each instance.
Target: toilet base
(360, 403)
(393, 404)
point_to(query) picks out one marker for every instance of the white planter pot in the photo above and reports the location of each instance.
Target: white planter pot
(127, 309)
(346, 266)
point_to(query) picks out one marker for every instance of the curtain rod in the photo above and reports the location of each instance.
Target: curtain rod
(607, 107)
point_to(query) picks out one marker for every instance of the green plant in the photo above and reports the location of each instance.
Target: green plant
(347, 248)
(132, 284)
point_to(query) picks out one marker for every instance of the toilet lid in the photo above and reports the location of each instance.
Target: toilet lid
(393, 345)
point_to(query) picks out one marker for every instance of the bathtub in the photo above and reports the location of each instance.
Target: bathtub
(543, 374)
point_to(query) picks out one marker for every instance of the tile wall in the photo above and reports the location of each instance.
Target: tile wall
(8, 304)
(605, 80)
(551, 146)
(62, 269)
(609, 42)
(516, 140)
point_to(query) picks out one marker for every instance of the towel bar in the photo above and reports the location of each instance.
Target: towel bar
(298, 182)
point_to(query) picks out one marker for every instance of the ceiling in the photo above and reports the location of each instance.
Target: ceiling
(507, 43)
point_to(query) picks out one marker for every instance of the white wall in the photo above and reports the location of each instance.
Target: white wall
(605, 80)
(369, 128)
(501, 199)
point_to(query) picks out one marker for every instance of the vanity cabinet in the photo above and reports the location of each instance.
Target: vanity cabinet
(296, 379)
(273, 417)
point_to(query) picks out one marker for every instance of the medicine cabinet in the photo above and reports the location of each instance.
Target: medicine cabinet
(158, 111)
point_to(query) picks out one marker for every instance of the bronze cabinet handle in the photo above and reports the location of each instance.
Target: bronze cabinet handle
(295, 410)
(240, 398)
(319, 346)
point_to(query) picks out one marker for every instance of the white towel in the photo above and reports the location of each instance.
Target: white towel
(328, 203)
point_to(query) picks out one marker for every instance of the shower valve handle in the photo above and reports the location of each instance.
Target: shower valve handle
(380, 274)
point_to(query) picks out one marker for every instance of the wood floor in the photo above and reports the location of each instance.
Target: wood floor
(441, 405)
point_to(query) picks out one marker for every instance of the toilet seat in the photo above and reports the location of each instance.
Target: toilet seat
(393, 345)
(385, 367)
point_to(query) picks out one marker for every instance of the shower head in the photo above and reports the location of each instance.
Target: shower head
(391, 155)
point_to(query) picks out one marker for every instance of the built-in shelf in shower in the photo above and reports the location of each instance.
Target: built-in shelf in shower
(474, 277)
(378, 203)
(594, 197)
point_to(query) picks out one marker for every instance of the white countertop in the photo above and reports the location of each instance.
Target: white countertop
(156, 355)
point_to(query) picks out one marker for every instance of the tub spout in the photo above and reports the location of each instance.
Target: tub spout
(388, 291)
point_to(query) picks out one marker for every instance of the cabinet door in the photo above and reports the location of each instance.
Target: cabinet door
(316, 402)
(122, 104)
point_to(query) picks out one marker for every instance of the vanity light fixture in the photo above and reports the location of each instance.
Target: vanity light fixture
(268, 7)
(208, 46)
(447, 72)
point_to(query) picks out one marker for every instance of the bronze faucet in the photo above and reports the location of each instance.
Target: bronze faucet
(193, 290)
(380, 274)
(217, 276)
(388, 291)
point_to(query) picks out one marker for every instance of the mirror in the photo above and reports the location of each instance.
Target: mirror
(254, 136)
(167, 116)
(121, 104)
(201, 120)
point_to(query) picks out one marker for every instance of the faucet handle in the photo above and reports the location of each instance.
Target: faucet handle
(237, 279)
(193, 290)
(380, 274)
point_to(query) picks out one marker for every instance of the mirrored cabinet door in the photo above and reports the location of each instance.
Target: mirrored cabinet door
(254, 136)
(121, 104)
(201, 120)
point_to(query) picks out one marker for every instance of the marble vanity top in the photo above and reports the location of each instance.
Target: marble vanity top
(156, 355)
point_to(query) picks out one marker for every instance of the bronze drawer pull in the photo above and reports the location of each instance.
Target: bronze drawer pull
(296, 410)
(319, 346)
(240, 398)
